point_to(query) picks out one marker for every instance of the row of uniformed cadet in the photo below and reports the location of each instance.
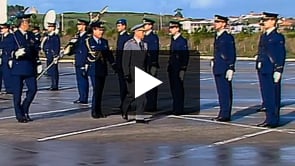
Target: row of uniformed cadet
(269, 64)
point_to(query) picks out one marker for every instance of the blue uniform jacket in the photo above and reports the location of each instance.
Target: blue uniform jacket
(26, 64)
(224, 53)
(6, 46)
(179, 54)
(152, 41)
(272, 53)
(80, 51)
(120, 46)
(98, 55)
(51, 47)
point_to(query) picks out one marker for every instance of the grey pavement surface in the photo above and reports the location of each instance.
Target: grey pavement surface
(64, 134)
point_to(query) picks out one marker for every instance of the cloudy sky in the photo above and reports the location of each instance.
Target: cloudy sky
(191, 8)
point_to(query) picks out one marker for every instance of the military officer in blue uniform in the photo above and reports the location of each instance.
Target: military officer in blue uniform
(80, 61)
(152, 61)
(135, 54)
(24, 67)
(270, 65)
(51, 48)
(177, 66)
(223, 66)
(6, 49)
(123, 36)
(262, 107)
(98, 54)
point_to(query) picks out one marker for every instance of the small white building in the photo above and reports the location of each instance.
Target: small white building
(192, 25)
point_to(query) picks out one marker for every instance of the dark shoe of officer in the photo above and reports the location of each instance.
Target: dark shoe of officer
(221, 119)
(261, 109)
(178, 113)
(264, 124)
(28, 118)
(79, 102)
(53, 89)
(145, 121)
(124, 115)
(22, 120)
(97, 115)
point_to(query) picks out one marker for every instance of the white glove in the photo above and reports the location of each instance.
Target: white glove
(74, 40)
(86, 67)
(229, 75)
(181, 75)
(276, 76)
(20, 52)
(39, 69)
(153, 71)
(67, 50)
(55, 60)
(10, 62)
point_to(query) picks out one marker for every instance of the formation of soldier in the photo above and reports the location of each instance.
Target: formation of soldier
(20, 64)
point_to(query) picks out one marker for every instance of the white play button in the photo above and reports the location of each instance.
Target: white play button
(144, 82)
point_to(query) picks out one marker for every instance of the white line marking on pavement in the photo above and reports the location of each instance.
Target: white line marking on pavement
(231, 124)
(205, 79)
(84, 131)
(43, 113)
(209, 146)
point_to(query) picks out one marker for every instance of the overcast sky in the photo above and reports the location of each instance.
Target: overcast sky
(191, 8)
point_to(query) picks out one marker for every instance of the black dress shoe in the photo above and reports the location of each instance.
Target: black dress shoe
(53, 89)
(97, 116)
(264, 124)
(28, 118)
(22, 120)
(221, 119)
(261, 109)
(145, 121)
(80, 102)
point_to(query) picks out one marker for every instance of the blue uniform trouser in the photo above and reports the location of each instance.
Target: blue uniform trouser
(7, 77)
(225, 95)
(122, 85)
(152, 99)
(82, 83)
(53, 73)
(22, 108)
(98, 85)
(177, 90)
(271, 96)
(1, 76)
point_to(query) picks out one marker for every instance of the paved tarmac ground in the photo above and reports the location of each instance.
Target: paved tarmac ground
(64, 134)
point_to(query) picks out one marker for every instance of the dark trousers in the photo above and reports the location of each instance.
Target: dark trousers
(98, 85)
(122, 86)
(225, 95)
(7, 77)
(140, 102)
(54, 74)
(82, 84)
(177, 90)
(1, 76)
(22, 108)
(152, 99)
(271, 96)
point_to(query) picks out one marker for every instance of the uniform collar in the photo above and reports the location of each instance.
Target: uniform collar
(176, 36)
(137, 40)
(148, 32)
(97, 40)
(23, 32)
(122, 32)
(270, 30)
(219, 33)
(51, 33)
(82, 33)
